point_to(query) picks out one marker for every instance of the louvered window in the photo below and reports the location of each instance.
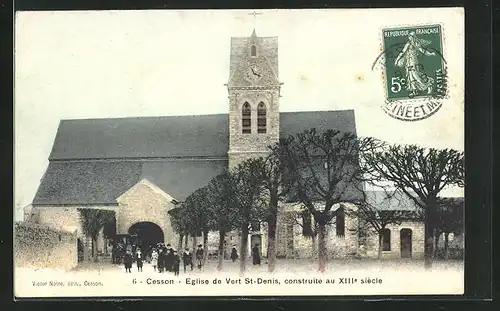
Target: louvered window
(246, 114)
(261, 119)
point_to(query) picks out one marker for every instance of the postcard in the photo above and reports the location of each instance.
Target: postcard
(239, 153)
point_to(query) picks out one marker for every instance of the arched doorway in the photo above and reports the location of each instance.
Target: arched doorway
(406, 243)
(146, 233)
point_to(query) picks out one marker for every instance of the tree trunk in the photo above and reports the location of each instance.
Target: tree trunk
(436, 244)
(94, 249)
(195, 242)
(220, 255)
(379, 245)
(86, 255)
(205, 247)
(186, 238)
(105, 246)
(314, 248)
(322, 253)
(179, 248)
(446, 247)
(429, 238)
(244, 248)
(271, 243)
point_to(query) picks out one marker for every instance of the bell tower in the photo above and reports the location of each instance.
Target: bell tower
(254, 92)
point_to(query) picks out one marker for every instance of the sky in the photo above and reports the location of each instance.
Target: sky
(108, 64)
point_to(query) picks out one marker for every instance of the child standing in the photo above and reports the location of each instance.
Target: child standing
(187, 259)
(127, 260)
(138, 259)
(154, 259)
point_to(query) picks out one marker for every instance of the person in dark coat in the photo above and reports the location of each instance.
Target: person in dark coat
(138, 259)
(234, 254)
(161, 260)
(199, 256)
(169, 258)
(256, 254)
(187, 259)
(176, 262)
(127, 260)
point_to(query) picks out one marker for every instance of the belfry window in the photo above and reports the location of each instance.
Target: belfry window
(246, 114)
(254, 50)
(261, 118)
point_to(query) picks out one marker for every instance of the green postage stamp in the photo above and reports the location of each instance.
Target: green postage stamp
(414, 71)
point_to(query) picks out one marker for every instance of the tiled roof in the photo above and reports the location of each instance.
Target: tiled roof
(179, 136)
(95, 161)
(205, 136)
(97, 182)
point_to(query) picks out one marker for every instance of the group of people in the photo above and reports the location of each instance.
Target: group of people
(164, 258)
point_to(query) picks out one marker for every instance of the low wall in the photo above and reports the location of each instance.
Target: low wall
(38, 246)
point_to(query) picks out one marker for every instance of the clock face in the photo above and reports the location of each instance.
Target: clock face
(253, 73)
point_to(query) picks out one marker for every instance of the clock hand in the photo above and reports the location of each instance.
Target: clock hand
(255, 73)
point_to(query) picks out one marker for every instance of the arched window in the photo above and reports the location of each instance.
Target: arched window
(246, 114)
(385, 236)
(254, 50)
(261, 118)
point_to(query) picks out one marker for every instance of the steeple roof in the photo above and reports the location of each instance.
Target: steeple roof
(267, 56)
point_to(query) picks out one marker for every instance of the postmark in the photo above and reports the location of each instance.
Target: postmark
(414, 71)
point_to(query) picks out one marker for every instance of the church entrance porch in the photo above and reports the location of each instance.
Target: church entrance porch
(146, 235)
(406, 243)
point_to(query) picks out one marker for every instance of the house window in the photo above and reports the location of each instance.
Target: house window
(261, 118)
(246, 119)
(340, 225)
(254, 50)
(385, 235)
(255, 226)
(306, 224)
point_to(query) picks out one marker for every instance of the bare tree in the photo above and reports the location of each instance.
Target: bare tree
(277, 182)
(326, 173)
(222, 209)
(179, 224)
(198, 215)
(450, 220)
(421, 174)
(92, 221)
(249, 200)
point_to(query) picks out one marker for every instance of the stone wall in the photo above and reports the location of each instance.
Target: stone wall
(59, 218)
(306, 247)
(145, 202)
(66, 218)
(245, 146)
(38, 246)
(370, 246)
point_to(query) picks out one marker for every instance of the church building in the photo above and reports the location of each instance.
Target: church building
(141, 167)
